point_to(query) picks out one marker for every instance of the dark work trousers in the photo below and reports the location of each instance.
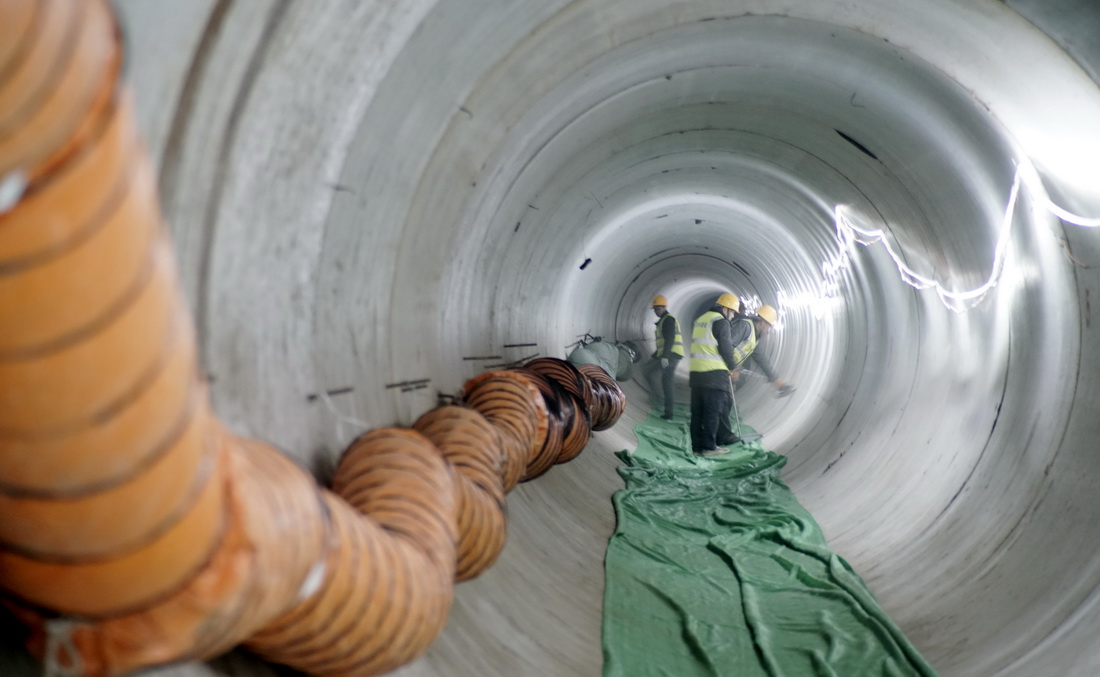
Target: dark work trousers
(665, 397)
(710, 418)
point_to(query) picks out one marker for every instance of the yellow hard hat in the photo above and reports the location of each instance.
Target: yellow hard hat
(659, 300)
(768, 314)
(728, 300)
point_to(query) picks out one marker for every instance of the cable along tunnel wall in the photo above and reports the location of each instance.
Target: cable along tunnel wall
(363, 194)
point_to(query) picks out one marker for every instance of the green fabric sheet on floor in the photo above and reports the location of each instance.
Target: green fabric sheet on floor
(715, 569)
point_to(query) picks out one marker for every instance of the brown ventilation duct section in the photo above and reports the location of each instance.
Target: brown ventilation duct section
(137, 530)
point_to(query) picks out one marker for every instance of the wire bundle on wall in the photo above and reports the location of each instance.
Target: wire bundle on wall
(138, 530)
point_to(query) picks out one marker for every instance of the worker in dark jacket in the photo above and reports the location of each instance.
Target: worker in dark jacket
(712, 363)
(670, 350)
(747, 334)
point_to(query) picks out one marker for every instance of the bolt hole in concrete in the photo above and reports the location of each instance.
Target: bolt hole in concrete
(945, 441)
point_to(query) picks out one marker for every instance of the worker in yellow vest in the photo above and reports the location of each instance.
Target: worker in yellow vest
(665, 359)
(712, 363)
(748, 332)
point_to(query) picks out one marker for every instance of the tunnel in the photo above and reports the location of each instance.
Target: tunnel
(372, 202)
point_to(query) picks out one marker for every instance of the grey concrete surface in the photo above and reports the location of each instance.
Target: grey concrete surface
(365, 193)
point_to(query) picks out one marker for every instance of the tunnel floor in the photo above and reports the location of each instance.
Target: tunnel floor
(715, 568)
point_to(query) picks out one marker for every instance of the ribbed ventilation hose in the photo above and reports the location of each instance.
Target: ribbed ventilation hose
(137, 530)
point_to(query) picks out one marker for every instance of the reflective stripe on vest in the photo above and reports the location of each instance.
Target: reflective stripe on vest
(742, 350)
(704, 347)
(678, 340)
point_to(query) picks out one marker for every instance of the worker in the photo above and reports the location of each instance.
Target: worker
(748, 332)
(667, 356)
(712, 364)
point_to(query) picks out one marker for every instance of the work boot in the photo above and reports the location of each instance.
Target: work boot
(717, 451)
(730, 440)
(666, 417)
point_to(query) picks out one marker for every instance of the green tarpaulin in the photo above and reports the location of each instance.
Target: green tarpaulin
(715, 569)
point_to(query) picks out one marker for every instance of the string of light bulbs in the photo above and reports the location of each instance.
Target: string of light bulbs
(849, 234)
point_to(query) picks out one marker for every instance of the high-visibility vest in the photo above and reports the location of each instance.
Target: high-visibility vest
(704, 347)
(678, 340)
(742, 350)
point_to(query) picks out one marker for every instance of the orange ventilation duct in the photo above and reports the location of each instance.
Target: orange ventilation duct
(137, 530)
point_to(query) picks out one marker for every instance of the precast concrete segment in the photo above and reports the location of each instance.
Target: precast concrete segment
(401, 185)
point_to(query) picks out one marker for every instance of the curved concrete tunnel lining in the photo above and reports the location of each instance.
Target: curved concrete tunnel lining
(541, 269)
(574, 217)
(390, 206)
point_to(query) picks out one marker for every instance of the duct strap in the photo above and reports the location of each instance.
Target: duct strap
(62, 657)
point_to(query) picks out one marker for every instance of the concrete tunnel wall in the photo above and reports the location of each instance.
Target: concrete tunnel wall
(370, 193)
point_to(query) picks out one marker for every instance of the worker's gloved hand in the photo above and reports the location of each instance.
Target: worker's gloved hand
(785, 390)
(664, 362)
(735, 375)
